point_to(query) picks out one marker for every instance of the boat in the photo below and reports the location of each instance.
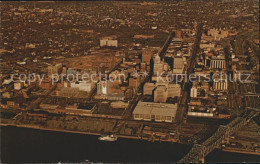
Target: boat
(107, 138)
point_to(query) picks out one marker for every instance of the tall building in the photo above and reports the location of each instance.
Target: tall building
(158, 65)
(148, 88)
(178, 65)
(194, 91)
(143, 67)
(146, 56)
(54, 71)
(160, 94)
(102, 87)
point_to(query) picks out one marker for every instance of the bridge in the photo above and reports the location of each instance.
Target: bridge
(199, 151)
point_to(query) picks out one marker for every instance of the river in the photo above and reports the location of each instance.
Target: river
(30, 145)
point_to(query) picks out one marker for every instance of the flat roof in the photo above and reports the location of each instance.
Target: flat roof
(156, 108)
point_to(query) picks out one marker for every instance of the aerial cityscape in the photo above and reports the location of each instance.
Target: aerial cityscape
(130, 81)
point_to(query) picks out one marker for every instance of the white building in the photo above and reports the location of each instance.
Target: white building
(160, 112)
(158, 65)
(194, 92)
(108, 42)
(102, 88)
(82, 85)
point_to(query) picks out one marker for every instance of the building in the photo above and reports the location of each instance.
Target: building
(158, 65)
(78, 109)
(176, 42)
(82, 85)
(68, 92)
(218, 62)
(148, 88)
(143, 67)
(119, 104)
(159, 112)
(194, 91)
(129, 93)
(102, 88)
(178, 65)
(18, 85)
(178, 34)
(146, 56)
(174, 90)
(134, 82)
(48, 106)
(220, 84)
(108, 42)
(160, 93)
(54, 71)
(45, 84)
(199, 111)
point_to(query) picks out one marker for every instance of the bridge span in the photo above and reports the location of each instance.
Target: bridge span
(199, 151)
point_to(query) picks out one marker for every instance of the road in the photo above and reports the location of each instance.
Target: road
(186, 86)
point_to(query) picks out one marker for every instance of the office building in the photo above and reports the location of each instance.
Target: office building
(178, 65)
(146, 56)
(158, 66)
(174, 90)
(148, 88)
(54, 71)
(160, 93)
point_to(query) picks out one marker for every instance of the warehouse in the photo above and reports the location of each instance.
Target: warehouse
(159, 112)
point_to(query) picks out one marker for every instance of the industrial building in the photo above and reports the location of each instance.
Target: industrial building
(159, 112)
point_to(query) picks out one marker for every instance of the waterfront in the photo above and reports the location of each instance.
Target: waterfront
(30, 145)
